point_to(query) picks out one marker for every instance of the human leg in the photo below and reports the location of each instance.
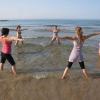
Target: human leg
(21, 38)
(99, 51)
(52, 40)
(84, 71)
(58, 40)
(13, 69)
(12, 62)
(1, 66)
(22, 42)
(3, 59)
(66, 70)
(16, 43)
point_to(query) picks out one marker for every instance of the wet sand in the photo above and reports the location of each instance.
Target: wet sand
(26, 87)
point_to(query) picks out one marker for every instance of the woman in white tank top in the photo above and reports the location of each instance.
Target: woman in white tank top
(76, 53)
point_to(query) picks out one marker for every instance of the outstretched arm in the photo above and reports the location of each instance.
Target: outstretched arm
(24, 29)
(59, 30)
(91, 35)
(68, 38)
(15, 39)
(15, 29)
(12, 29)
(50, 30)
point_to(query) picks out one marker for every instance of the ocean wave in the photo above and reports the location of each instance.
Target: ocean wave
(47, 26)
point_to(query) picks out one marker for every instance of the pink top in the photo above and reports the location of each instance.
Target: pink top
(6, 45)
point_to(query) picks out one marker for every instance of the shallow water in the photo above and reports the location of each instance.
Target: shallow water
(38, 56)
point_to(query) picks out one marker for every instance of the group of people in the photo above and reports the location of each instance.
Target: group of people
(76, 54)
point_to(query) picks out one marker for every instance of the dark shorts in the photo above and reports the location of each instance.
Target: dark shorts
(8, 57)
(80, 63)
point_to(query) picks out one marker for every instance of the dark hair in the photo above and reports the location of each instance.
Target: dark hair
(18, 26)
(4, 31)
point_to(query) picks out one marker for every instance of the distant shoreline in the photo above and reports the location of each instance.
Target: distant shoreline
(4, 20)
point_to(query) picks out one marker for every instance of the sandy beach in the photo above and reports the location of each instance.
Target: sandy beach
(26, 87)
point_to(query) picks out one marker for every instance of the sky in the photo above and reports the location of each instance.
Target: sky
(49, 9)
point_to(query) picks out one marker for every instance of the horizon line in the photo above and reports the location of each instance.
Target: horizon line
(49, 19)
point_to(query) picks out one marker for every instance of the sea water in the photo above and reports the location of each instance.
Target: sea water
(37, 56)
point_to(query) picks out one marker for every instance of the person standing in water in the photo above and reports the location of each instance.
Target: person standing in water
(6, 42)
(55, 36)
(19, 34)
(76, 54)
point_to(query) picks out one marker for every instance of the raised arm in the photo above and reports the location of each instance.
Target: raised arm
(91, 35)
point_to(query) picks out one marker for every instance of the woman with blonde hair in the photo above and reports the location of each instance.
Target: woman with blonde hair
(76, 54)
